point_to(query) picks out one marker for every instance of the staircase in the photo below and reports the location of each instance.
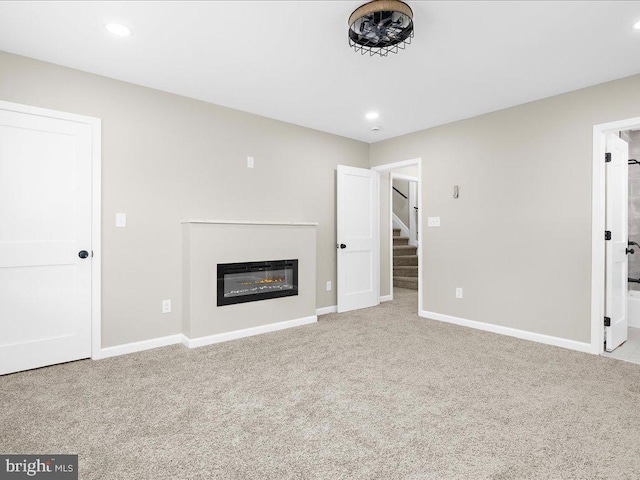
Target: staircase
(405, 262)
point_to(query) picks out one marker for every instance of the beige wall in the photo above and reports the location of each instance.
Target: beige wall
(168, 158)
(518, 239)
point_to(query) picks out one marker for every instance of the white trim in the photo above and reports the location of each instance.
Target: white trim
(420, 229)
(96, 238)
(246, 332)
(400, 176)
(391, 166)
(386, 298)
(138, 346)
(326, 310)
(598, 206)
(96, 207)
(511, 332)
(45, 112)
(397, 223)
(376, 235)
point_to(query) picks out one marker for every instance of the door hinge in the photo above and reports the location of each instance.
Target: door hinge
(607, 235)
(607, 321)
(607, 157)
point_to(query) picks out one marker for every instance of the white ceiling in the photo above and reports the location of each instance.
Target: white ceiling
(290, 60)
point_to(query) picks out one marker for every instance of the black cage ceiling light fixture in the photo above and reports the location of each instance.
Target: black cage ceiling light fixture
(381, 27)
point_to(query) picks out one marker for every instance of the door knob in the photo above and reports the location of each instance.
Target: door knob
(630, 250)
(83, 254)
(342, 245)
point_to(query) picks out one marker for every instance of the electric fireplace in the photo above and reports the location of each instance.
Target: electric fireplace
(253, 281)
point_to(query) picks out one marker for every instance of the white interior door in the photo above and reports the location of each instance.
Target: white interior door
(358, 250)
(616, 266)
(45, 222)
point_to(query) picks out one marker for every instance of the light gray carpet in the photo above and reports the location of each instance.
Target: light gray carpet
(377, 393)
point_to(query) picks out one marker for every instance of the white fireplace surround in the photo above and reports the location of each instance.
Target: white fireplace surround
(206, 243)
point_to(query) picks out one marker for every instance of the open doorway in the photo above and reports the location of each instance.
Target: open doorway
(616, 258)
(403, 199)
(400, 232)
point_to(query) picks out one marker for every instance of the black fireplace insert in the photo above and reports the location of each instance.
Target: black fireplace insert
(253, 281)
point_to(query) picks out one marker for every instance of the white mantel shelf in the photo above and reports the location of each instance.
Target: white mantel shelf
(253, 222)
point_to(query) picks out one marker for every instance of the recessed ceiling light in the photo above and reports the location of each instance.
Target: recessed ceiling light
(637, 25)
(372, 115)
(118, 29)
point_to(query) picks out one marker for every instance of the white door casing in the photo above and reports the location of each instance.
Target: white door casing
(357, 243)
(45, 221)
(616, 220)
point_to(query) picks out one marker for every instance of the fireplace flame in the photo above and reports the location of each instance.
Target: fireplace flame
(266, 280)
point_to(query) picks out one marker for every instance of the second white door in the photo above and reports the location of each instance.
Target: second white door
(616, 266)
(358, 249)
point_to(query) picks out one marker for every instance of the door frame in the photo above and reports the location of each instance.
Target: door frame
(96, 207)
(386, 168)
(598, 209)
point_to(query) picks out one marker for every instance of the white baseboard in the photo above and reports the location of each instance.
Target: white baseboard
(246, 332)
(198, 342)
(325, 310)
(137, 346)
(386, 298)
(511, 332)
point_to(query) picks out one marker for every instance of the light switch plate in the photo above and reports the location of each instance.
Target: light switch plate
(166, 306)
(329, 286)
(433, 222)
(121, 220)
(250, 162)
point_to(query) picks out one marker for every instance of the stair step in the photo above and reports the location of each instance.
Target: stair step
(401, 250)
(406, 282)
(396, 232)
(400, 241)
(405, 271)
(405, 261)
